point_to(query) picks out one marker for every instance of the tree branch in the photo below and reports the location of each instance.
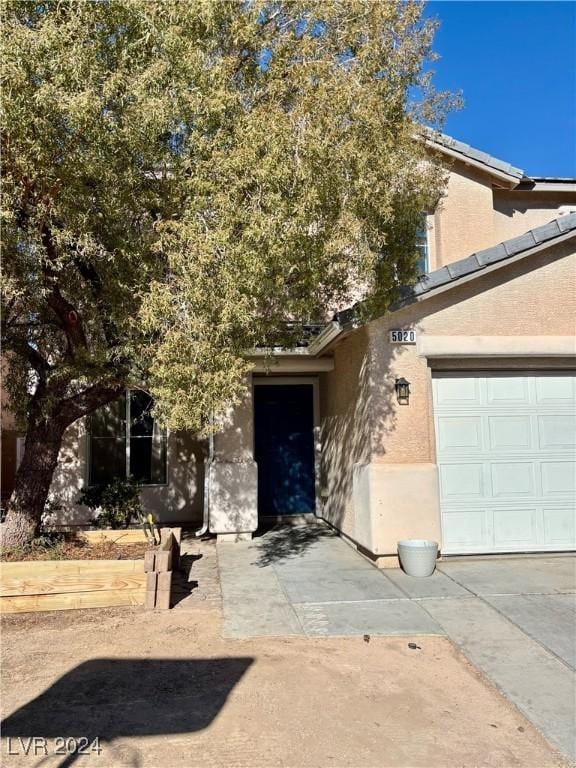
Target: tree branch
(67, 314)
(72, 408)
(92, 278)
(31, 354)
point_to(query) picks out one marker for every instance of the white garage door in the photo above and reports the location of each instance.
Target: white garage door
(506, 451)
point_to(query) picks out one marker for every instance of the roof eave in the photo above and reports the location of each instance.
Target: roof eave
(487, 269)
(333, 332)
(504, 180)
(527, 185)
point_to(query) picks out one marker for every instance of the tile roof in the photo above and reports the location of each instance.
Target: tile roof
(474, 154)
(478, 261)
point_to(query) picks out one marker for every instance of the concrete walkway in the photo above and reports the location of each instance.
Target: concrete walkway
(514, 618)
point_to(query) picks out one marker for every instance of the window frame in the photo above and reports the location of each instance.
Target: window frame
(127, 438)
(423, 227)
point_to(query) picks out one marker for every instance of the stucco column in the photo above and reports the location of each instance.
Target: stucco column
(234, 475)
(394, 502)
(396, 492)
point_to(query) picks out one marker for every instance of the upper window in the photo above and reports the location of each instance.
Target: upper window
(422, 265)
(125, 441)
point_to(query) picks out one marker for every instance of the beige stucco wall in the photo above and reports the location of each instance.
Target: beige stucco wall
(474, 213)
(531, 298)
(462, 221)
(232, 477)
(233, 473)
(345, 418)
(535, 297)
(179, 500)
(517, 212)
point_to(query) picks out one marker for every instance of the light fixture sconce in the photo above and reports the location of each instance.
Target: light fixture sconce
(402, 387)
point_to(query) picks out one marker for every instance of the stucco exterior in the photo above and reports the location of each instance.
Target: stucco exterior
(376, 465)
(233, 474)
(179, 500)
(378, 479)
(390, 489)
(462, 221)
(515, 212)
(346, 428)
(475, 212)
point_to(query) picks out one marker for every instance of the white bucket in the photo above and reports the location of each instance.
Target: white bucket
(418, 556)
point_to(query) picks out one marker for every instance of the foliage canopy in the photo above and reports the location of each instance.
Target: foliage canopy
(183, 179)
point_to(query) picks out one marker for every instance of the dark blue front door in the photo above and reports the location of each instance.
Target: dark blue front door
(284, 448)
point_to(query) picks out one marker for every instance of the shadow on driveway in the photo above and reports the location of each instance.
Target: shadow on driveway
(289, 541)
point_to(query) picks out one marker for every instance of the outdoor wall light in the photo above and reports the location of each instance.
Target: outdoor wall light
(402, 387)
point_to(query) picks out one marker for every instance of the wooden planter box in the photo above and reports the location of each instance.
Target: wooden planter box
(118, 536)
(58, 585)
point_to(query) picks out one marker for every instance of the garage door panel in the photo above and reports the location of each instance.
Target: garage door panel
(558, 478)
(557, 431)
(458, 432)
(509, 433)
(457, 391)
(464, 528)
(515, 528)
(462, 481)
(507, 389)
(512, 479)
(506, 451)
(560, 528)
(555, 389)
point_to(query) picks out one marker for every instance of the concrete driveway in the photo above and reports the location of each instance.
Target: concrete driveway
(514, 618)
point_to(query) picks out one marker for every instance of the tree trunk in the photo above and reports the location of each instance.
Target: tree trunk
(32, 484)
(44, 435)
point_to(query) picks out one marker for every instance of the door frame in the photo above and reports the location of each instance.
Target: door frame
(271, 380)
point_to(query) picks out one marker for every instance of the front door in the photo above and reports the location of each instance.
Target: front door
(284, 448)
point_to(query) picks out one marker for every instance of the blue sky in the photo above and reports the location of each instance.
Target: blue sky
(516, 65)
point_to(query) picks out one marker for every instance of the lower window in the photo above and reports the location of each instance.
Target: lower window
(125, 441)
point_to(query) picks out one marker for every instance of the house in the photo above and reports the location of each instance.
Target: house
(452, 417)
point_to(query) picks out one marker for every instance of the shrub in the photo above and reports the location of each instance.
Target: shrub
(115, 503)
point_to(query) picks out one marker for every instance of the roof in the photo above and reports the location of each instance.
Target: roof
(555, 179)
(516, 246)
(546, 184)
(476, 155)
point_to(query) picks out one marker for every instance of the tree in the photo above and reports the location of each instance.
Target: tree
(182, 180)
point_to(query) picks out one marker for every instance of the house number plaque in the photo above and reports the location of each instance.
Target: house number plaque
(402, 336)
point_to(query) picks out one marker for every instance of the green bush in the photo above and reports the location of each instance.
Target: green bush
(115, 503)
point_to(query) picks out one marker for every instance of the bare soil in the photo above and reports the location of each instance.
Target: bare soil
(165, 689)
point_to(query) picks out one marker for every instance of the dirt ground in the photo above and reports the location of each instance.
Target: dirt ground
(166, 690)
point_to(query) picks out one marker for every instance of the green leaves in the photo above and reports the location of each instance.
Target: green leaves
(198, 194)
(117, 504)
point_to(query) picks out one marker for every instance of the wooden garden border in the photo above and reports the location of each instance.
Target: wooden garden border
(59, 585)
(118, 536)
